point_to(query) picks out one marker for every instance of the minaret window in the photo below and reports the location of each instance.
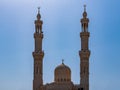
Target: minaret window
(37, 70)
(61, 79)
(84, 70)
(84, 27)
(38, 29)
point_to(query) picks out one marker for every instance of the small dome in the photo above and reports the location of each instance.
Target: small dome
(85, 14)
(38, 16)
(62, 73)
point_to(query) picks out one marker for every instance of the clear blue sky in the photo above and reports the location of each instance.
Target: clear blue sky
(61, 29)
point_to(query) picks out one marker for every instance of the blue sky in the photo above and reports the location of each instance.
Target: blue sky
(61, 27)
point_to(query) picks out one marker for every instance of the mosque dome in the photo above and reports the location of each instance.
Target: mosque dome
(62, 73)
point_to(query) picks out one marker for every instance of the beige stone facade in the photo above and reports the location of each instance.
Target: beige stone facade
(62, 73)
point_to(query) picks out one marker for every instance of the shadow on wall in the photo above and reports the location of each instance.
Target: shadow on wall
(80, 89)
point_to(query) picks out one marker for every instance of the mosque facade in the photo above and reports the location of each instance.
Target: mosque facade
(62, 73)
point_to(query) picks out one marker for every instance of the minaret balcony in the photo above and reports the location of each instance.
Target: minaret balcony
(38, 22)
(84, 34)
(38, 35)
(84, 54)
(38, 55)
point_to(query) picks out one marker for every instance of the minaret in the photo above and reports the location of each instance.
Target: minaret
(38, 54)
(84, 52)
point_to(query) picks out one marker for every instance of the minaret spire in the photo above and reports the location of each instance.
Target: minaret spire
(38, 9)
(84, 52)
(84, 21)
(38, 54)
(84, 7)
(38, 15)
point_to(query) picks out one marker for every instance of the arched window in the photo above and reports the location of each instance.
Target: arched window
(37, 70)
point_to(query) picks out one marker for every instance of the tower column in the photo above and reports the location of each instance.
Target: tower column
(84, 53)
(38, 54)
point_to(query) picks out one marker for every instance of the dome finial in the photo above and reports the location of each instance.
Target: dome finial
(62, 61)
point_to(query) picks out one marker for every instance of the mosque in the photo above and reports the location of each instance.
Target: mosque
(62, 73)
